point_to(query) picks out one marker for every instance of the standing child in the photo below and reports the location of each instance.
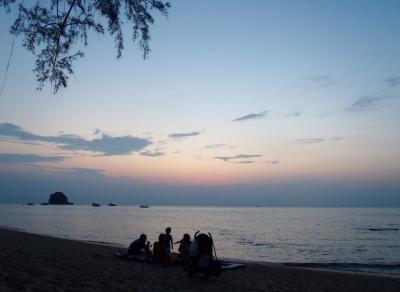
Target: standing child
(169, 242)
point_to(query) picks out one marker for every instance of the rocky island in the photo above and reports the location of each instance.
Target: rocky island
(59, 198)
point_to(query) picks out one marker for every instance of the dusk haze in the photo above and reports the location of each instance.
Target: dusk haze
(294, 103)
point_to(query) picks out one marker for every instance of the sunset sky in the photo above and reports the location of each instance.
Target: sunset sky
(239, 102)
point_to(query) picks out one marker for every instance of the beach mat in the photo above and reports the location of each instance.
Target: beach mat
(123, 256)
(119, 255)
(228, 265)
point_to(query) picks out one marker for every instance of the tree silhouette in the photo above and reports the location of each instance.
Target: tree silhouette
(53, 30)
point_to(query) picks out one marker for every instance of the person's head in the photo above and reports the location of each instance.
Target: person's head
(168, 230)
(143, 237)
(186, 237)
(161, 237)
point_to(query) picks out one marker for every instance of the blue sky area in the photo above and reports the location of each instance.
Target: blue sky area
(290, 103)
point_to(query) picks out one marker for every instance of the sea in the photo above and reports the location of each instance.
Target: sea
(349, 239)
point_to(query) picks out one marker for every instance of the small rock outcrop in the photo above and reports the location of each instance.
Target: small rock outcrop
(59, 198)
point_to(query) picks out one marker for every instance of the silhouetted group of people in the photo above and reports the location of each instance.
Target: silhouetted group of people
(140, 249)
(195, 257)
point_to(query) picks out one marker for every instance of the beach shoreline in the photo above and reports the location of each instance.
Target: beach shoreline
(37, 262)
(242, 261)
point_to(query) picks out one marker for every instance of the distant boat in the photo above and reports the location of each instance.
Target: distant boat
(96, 205)
(30, 204)
(144, 206)
(44, 204)
(112, 204)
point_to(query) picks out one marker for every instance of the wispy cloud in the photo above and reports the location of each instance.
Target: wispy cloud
(248, 117)
(273, 162)
(76, 172)
(309, 140)
(15, 158)
(322, 80)
(244, 162)
(183, 135)
(317, 140)
(214, 146)
(324, 115)
(392, 81)
(235, 158)
(152, 153)
(105, 145)
(86, 172)
(366, 103)
(294, 114)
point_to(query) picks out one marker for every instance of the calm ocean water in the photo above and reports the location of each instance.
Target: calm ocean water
(362, 239)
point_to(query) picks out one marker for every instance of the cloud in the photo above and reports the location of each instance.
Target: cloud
(273, 162)
(14, 158)
(86, 172)
(324, 115)
(363, 103)
(366, 103)
(106, 144)
(309, 140)
(74, 172)
(244, 162)
(236, 157)
(392, 81)
(259, 115)
(183, 135)
(214, 146)
(294, 114)
(152, 154)
(317, 140)
(322, 80)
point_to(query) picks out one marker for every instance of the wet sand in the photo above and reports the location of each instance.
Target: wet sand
(30, 262)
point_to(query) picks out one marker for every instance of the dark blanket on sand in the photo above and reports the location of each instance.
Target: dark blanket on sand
(31, 262)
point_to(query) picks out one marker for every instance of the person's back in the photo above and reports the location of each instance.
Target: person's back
(160, 250)
(184, 250)
(135, 247)
(184, 244)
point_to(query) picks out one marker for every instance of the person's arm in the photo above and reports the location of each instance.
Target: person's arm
(172, 243)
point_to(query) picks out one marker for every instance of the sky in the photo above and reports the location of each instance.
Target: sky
(275, 103)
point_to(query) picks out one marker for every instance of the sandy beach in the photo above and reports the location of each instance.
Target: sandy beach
(30, 262)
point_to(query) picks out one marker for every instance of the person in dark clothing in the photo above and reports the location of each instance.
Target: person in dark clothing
(160, 251)
(139, 250)
(184, 250)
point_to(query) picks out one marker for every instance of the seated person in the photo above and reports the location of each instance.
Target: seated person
(160, 253)
(139, 250)
(184, 249)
